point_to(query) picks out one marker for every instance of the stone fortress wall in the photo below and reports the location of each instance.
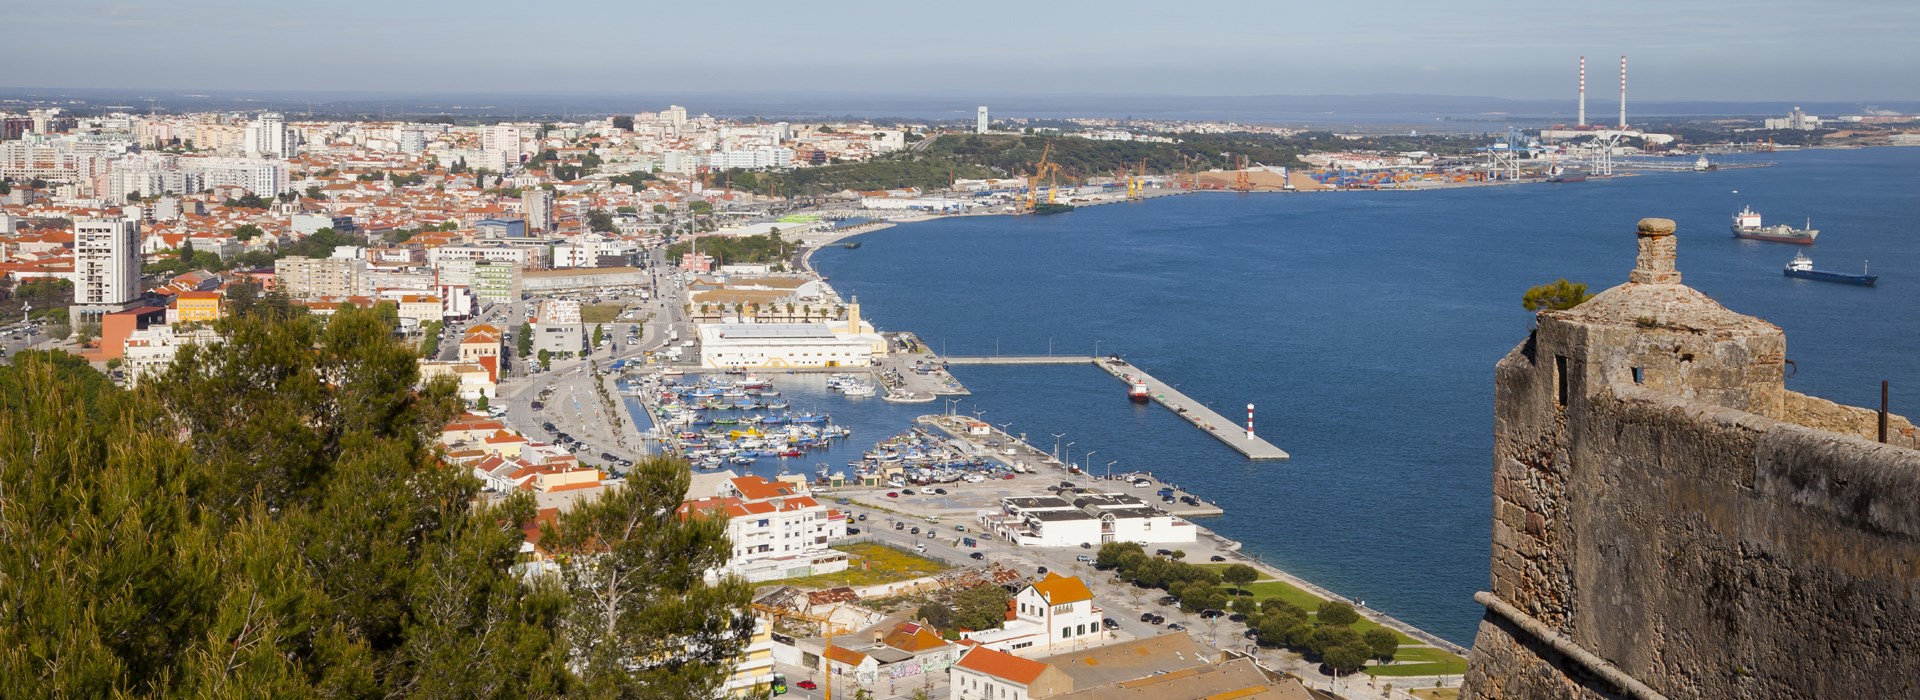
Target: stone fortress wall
(1670, 521)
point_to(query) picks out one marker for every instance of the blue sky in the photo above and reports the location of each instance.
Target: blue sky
(1679, 49)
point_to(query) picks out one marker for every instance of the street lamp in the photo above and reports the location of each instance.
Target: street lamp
(1056, 444)
(1110, 468)
(1069, 458)
(1089, 456)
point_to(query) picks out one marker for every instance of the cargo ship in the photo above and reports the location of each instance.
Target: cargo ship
(1051, 208)
(1802, 267)
(1137, 391)
(1746, 224)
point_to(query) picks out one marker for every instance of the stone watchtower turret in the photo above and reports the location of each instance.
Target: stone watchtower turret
(1671, 521)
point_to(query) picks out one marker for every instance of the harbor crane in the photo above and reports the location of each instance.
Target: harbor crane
(1045, 168)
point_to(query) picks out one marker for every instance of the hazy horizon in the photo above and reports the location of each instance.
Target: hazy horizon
(1755, 51)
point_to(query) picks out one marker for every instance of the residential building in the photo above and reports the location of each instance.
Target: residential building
(268, 136)
(106, 267)
(496, 282)
(482, 345)
(311, 278)
(537, 205)
(777, 529)
(557, 328)
(475, 381)
(980, 120)
(1053, 614)
(309, 224)
(989, 674)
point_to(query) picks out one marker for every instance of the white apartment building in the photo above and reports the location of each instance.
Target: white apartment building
(516, 256)
(259, 176)
(536, 205)
(1056, 613)
(503, 137)
(106, 266)
(268, 137)
(777, 530)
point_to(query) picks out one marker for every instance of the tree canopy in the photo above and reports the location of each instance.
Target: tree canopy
(269, 516)
(1558, 295)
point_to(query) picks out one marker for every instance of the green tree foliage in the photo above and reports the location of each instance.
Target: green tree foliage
(701, 207)
(247, 232)
(763, 248)
(523, 341)
(1239, 575)
(1334, 612)
(251, 201)
(599, 334)
(319, 244)
(546, 359)
(1347, 657)
(1558, 295)
(266, 518)
(1383, 643)
(600, 220)
(634, 573)
(430, 339)
(623, 122)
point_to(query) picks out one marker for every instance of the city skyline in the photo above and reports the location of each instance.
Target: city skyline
(1706, 51)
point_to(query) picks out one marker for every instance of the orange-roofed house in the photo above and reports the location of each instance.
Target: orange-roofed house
(1056, 613)
(985, 672)
(777, 531)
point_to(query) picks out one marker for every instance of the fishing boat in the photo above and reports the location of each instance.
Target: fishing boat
(1746, 224)
(858, 389)
(1802, 267)
(809, 418)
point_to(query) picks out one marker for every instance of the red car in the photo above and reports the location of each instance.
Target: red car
(1009, 476)
(807, 685)
(893, 494)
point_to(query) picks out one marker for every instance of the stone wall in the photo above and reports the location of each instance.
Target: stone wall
(1669, 521)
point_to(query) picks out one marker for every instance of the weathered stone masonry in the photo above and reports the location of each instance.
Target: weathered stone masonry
(1670, 521)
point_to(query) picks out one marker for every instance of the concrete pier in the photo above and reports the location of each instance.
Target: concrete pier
(1229, 431)
(1021, 360)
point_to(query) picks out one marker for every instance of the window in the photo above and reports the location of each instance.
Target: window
(1066, 632)
(1639, 376)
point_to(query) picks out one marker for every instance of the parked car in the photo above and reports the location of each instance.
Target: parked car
(959, 528)
(899, 526)
(1176, 626)
(978, 555)
(1084, 558)
(1111, 623)
(807, 685)
(915, 530)
(1163, 552)
(1146, 617)
(862, 517)
(1217, 557)
(1086, 545)
(1043, 571)
(942, 492)
(1066, 484)
(1159, 619)
(853, 531)
(906, 492)
(1210, 613)
(893, 494)
(538, 405)
(1169, 600)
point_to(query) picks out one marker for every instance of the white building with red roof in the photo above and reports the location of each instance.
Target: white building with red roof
(777, 529)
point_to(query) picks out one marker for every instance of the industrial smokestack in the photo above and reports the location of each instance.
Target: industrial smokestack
(1623, 92)
(1583, 91)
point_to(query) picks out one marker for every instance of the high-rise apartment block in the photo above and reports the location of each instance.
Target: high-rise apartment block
(536, 205)
(268, 136)
(310, 278)
(106, 267)
(980, 121)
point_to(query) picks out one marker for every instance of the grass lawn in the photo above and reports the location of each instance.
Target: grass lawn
(872, 564)
(600, 313)
(1263, 590)
(1421, 661)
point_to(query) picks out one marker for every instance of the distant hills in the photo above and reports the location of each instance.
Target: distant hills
(1320, 110)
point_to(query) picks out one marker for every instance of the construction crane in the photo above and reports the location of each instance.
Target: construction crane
(828, 629)
(1241, 181)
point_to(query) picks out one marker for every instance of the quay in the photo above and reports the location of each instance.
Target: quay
(1220, 427)
(1015, 452)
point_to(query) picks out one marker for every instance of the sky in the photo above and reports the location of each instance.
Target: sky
(1712, 50)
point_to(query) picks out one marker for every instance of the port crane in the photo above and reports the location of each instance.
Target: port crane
(827, 627)
(1045, 168)
(1241, 181)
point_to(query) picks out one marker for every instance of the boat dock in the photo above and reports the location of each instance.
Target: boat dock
(1228, 431)
(1013, 450)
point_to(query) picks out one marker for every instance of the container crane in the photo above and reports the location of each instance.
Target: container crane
(1241, 181)
(1045, 168)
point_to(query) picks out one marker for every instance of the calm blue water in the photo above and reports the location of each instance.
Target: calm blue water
(1366, 327)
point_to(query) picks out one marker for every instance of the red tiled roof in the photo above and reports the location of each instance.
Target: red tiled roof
(1002, 665)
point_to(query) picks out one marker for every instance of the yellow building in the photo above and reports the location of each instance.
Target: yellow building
(194, 307)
